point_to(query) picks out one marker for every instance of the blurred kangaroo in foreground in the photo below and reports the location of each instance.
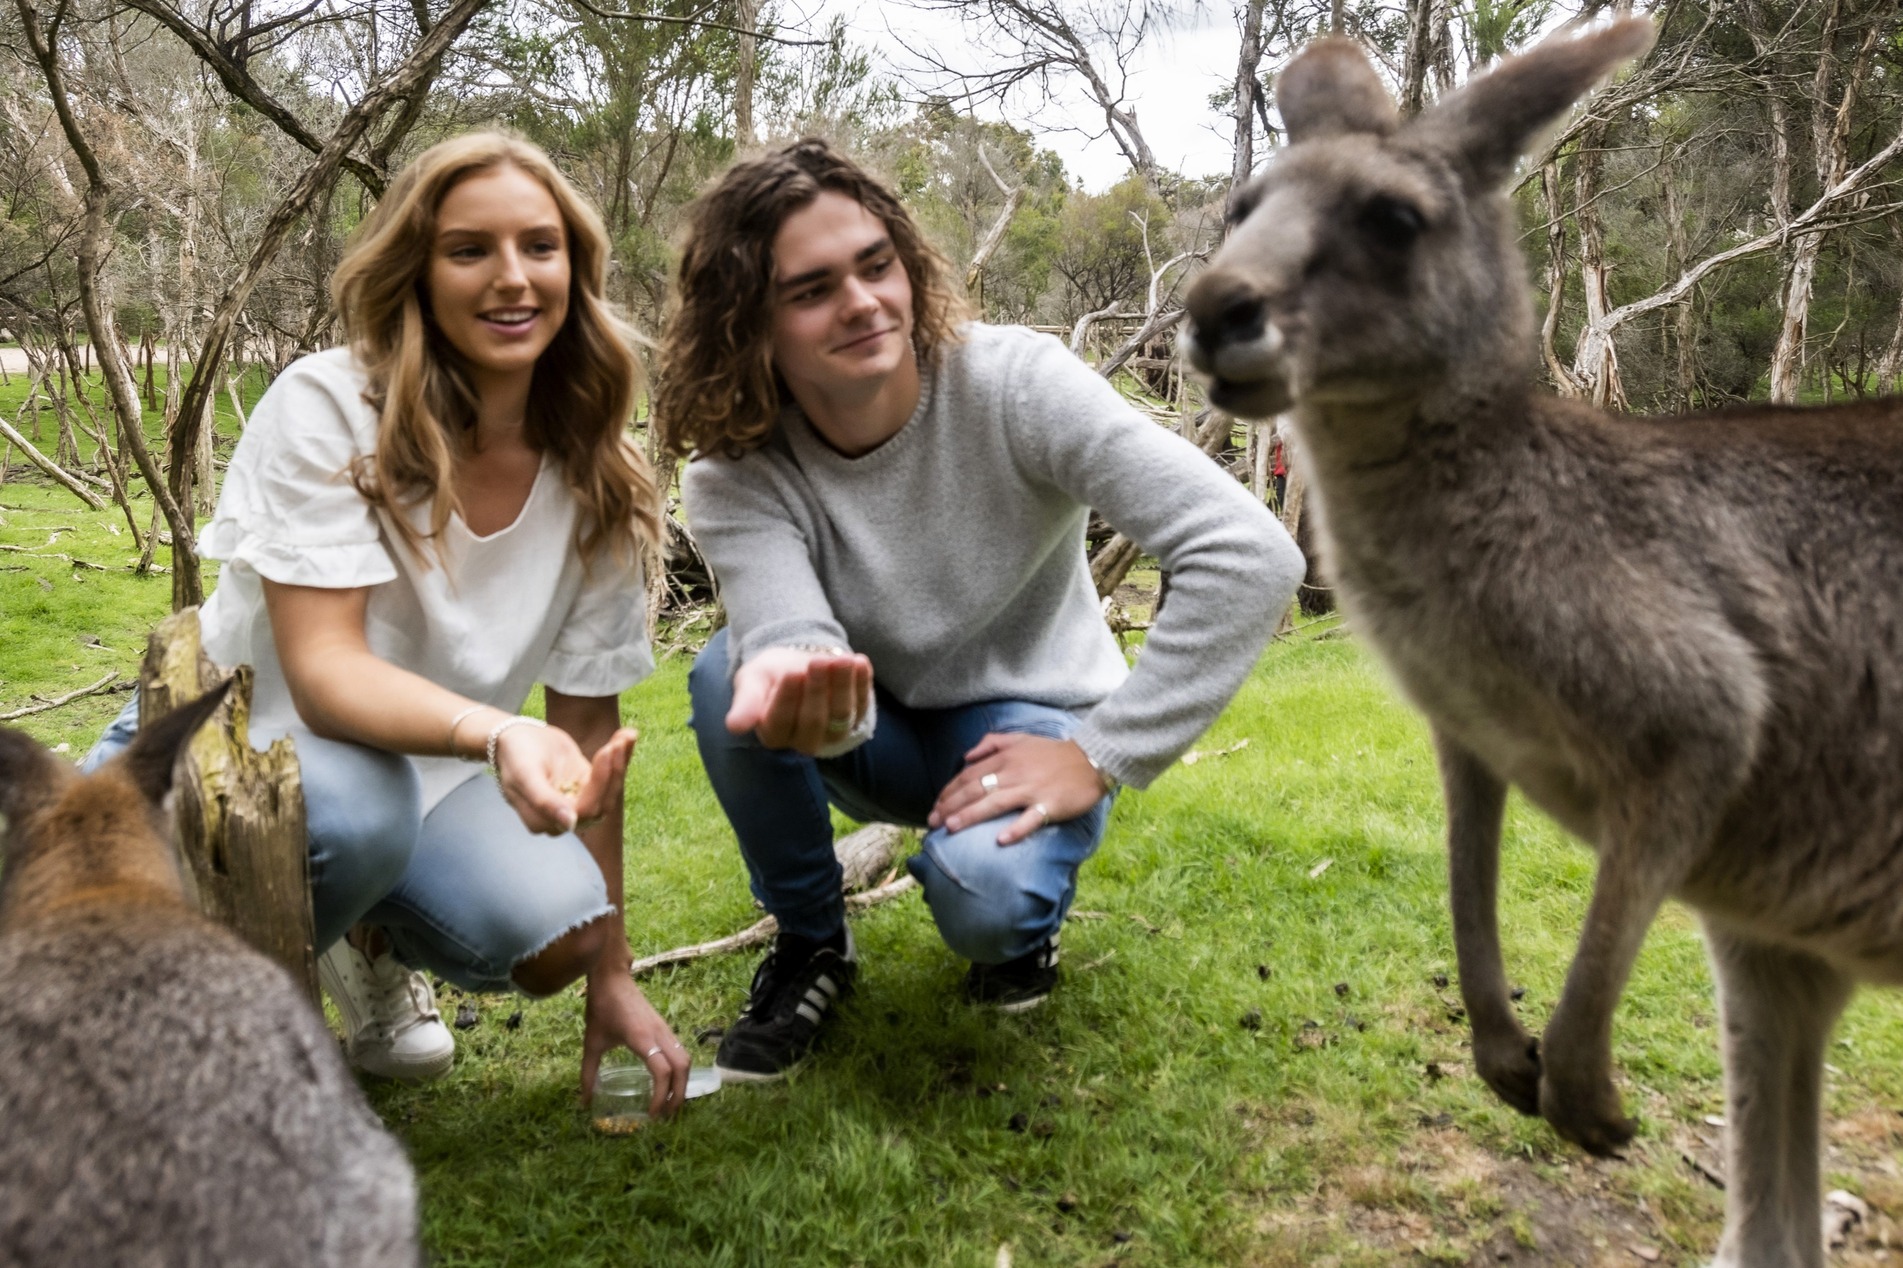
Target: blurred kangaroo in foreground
(1682, 638)
(167, 1094)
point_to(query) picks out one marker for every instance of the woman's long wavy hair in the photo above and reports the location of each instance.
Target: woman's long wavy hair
(717, 391)
(582, 396)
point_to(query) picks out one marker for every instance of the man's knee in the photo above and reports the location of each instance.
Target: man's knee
(987, 905)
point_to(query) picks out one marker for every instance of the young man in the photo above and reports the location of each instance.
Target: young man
(893, 501)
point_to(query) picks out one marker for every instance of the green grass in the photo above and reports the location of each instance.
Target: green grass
(1253, 1059)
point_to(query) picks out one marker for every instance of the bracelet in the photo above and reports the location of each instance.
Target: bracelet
(817, 649)
(495, 733)
(1110, 782)
(457, 721)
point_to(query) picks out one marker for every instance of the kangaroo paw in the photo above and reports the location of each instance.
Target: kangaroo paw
(1510, 1065)
(1588, 1114)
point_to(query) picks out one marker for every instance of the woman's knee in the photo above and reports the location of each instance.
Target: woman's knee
(564, 960)
(363, 810)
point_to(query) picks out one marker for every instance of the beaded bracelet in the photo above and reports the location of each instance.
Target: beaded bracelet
(495, 733)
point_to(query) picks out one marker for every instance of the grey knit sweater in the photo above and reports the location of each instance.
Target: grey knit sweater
(952, 555)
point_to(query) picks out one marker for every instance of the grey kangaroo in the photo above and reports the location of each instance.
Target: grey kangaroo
(167, 1095)
(1682, 638)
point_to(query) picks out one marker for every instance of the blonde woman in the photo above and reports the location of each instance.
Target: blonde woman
(418, 528)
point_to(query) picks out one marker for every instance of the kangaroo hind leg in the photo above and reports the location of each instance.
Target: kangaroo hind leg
(1776, 1009)
(1505, 1055)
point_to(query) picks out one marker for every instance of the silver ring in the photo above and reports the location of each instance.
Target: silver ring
(653, 1052)
(1042, 813)
(989, 782)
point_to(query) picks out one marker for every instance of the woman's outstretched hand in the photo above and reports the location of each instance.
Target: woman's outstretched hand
(800, 700)
(1049, 780)
(551, 786)
(618, 1015)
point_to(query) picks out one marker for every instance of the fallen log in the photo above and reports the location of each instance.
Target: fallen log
(864, 856)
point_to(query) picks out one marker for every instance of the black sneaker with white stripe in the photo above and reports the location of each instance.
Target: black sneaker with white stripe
(1016, 985)
(793, 992)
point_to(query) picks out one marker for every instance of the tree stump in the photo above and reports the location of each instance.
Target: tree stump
(239, 812)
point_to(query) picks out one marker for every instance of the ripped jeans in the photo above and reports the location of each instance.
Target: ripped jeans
(992, 903)
(464, 891)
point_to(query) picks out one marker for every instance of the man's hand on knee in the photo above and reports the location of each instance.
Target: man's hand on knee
(1048, 780)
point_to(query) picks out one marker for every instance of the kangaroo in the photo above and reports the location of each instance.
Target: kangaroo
(1681, 638)
(167, 1095)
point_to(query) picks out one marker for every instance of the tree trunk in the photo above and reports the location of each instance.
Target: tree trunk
(90, 252)
(1247, 88)
(748, 14)
(1419, 52)
(1830, 146)
(1563, 381)
(240, 813)
(1600, 374)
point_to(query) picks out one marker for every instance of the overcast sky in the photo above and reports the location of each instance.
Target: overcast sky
(1175, 75)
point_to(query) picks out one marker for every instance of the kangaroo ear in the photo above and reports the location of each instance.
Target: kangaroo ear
(1485, 126)
(28, 774)
(153, 755)
(1330, 89)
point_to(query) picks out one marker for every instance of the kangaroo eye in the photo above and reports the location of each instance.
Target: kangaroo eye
(1391, 223)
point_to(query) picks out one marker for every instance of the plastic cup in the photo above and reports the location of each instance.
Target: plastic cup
(624, 1089)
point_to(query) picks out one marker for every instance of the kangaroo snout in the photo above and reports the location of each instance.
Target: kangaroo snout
(1236, 344)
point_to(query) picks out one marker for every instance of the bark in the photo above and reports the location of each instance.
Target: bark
(1830, 140)
(1685, 321)
(1607, 392)
(240, 813)
(1419, 52)
(1563, 381)
(1248, 87)
(748, 12)
(1013, 199)
(207, 368)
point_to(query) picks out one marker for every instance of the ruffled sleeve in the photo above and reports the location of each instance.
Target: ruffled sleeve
(602, 648)
(289, 511)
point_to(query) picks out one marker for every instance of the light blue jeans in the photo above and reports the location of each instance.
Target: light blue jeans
(992, 902)
(464, 891)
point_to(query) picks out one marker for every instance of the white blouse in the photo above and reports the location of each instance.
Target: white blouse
(486, 617)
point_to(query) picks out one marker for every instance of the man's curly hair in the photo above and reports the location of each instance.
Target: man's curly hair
(717, 391)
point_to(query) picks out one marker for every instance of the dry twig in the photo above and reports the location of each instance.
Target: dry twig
(57, 701)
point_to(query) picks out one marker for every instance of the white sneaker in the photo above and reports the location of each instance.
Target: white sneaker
(391, 1026)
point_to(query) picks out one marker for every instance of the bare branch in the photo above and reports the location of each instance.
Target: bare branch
(237, 78)
(670, 20)
(1013, 199)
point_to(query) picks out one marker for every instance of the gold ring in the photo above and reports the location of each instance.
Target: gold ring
(838, 726)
